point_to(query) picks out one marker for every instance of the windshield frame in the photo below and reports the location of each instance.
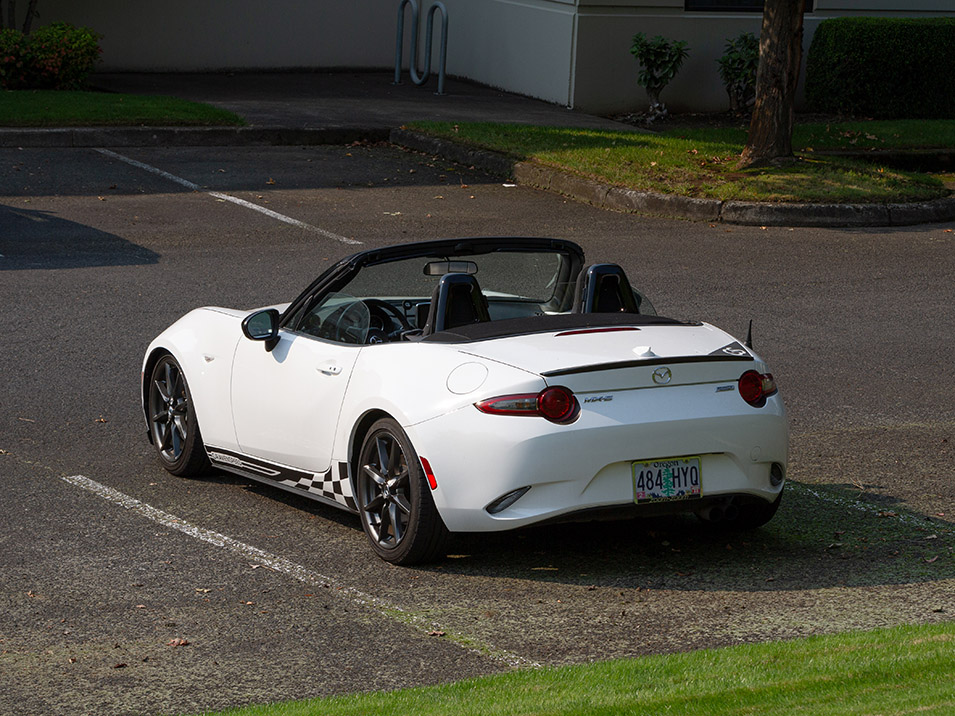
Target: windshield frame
(339, 275)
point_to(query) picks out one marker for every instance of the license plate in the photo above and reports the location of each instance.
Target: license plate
(665, 480)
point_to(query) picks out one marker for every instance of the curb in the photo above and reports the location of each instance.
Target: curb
(83, 137)
(603, 196)
(749, 213)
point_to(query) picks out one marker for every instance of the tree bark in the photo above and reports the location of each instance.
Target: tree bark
(780, 57)
(28, 20)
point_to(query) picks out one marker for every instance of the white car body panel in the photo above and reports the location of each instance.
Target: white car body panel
(272, 421)
(293, 415)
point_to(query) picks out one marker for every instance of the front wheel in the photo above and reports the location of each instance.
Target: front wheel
(394, 499)
(172, 420)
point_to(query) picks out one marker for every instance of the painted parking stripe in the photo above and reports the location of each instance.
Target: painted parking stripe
(295, 571)
(228, 197)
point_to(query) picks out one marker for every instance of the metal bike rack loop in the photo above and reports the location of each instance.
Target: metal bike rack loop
(420, 79)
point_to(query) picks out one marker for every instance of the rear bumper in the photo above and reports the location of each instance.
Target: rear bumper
(584, 466)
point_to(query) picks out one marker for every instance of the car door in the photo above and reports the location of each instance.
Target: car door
(286, 401)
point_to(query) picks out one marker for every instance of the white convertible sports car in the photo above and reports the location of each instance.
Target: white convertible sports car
(471, 385)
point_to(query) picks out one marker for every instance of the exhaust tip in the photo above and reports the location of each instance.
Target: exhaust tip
(776, 475)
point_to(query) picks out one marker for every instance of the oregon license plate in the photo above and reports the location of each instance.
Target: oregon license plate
(669, 479)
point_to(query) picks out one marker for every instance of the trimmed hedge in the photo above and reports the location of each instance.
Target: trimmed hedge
(58, 56)
(891, 68)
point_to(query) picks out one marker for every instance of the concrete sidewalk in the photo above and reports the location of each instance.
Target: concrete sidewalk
(308, 108)
(338, 100)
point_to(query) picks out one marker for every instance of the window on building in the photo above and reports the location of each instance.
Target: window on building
(733, 5)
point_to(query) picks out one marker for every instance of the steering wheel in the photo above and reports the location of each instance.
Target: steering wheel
(386, 314)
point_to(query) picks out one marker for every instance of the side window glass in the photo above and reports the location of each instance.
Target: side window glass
(337, 317)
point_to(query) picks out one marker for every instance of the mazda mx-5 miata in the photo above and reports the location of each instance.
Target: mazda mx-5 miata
(472, 385)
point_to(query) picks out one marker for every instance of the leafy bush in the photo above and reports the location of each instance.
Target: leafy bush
(738, 70)
(13, 59)
(660, 59)
(58, 56)
(883, 67)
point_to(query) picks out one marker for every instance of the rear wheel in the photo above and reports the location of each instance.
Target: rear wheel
(172, 420)
(394, 499)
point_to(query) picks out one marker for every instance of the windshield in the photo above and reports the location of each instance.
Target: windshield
(392, 297)
(529, 276)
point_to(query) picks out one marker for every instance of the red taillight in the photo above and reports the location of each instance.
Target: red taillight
(755, 387)
(556, 403)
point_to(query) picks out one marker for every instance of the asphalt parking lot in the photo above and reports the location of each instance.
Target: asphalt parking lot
(109, 565)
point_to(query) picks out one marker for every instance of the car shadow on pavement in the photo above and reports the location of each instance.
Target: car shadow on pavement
(822, 536)
(33, 239)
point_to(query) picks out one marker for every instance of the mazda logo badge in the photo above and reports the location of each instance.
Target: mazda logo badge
(662, 376)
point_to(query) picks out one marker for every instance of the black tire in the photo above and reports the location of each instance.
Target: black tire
(394, 499)
(172, 420)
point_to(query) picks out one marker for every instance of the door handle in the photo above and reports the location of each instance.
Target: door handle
(331, 369)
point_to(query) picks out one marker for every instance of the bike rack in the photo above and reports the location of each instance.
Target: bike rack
(420, 79)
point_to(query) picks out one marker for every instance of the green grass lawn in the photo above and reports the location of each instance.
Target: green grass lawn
(55, 108)
(902, 134)
(702, 162)
(901, 670)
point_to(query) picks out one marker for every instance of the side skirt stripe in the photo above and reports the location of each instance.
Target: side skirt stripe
(331, 487)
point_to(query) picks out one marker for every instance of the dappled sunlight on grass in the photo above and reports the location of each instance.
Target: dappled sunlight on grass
(692, 162)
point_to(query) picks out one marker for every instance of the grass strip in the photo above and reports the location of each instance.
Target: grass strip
(849, 136)
(694, 163)
(55, 108)
(888, 671)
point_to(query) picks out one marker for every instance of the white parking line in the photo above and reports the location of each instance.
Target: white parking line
(227, 197)
(295, 571)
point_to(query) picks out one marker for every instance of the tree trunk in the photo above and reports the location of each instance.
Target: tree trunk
(28, 20)
(780, 56)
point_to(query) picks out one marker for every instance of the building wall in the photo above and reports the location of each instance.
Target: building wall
(570, 52)
(189, 35)
(606, 73)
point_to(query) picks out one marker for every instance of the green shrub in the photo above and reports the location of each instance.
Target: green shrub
(660, 59)
(738, 70)
(58, 56)
(13, 59)
(892, 68)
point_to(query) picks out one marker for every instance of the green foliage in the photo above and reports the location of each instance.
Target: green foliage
(660, 59)
(13, 59)
(58, 56)
(738, 70)
(883, 67)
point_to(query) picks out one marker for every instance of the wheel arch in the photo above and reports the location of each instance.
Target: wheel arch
(151, 359)
(357, 439)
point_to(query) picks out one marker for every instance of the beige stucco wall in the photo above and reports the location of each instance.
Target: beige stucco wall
(605, 76)
(235, 34)
(570, 52)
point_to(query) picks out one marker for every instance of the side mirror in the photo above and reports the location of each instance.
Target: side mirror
(262, 326)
